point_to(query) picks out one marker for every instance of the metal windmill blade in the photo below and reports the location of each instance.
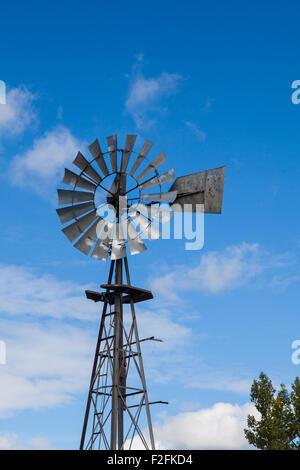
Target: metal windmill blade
(72, 212)
(141, 156)
(88, 239)
(135, 243)
(118, 249)
(82, 163)
(66, 196)
(112, 148)
(96, 151)
(74, 230)
(119, 184)
(159, 160)
(166, 177)
(130, 141)
(145, 225)
(153, 212)
(205, 187)
(159, 197)
(102, 246)
(72, 179)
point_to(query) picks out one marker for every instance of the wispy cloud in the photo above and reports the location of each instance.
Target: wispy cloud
(198, 133)
(26, 292)
(147, 94)
(41, 166)
(211, 379)
(208, 104)
(11, 441)
(25, 382)
(234, 267)
(216, 271)
(18, 112)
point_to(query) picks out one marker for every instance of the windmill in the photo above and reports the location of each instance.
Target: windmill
(115, 202)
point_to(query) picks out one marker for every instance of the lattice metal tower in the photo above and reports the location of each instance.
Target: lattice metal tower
(114, 212)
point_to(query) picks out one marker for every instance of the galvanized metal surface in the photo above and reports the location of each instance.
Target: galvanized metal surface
(103, 243)
(129, 292)
(160, 197)
(204, 187)
(66, 196)
(96, 151)
(118, 249)
(143, 152)
(156, 213)
(146, 227)
(166, 177)
(130, 141)
(159, 160)
(135, 243)
(71, 212)
(74, 230)
(112, 148)
(72, 179)
(82, 163)
(87, 240)
(189, 193)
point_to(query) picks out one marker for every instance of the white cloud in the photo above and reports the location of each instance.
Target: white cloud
(41, 166)
(216, 272)
(47, 364)
(12, 442)
(18, 112)
(218, 427)
(162, 326)
(145, 95)
(24, 292)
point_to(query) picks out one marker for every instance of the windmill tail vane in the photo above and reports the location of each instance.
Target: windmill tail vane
(114, 203)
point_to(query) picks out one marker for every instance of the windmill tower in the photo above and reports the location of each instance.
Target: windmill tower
(108, 210)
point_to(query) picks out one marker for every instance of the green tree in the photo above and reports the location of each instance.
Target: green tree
(279, 425)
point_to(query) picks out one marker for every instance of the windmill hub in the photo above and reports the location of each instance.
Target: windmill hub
(113, 200)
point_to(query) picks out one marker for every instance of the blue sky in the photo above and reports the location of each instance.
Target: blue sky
(210, 84)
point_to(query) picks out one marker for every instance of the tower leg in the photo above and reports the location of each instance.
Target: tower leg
(140, 361)
(117, 405)
(93, 377)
